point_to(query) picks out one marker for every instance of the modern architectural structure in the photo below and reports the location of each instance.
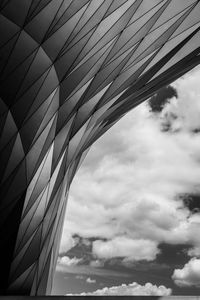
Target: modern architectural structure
(69, 69)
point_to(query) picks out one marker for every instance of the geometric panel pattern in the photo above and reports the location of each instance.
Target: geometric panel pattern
(69, 70)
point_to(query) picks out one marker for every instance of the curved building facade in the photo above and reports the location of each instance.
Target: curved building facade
(70, 69)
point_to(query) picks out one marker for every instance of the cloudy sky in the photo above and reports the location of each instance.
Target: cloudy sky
(133, 215)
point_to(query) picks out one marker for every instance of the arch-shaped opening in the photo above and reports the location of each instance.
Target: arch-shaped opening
(134, 206)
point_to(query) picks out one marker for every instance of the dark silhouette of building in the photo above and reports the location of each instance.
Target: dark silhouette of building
(69, 69)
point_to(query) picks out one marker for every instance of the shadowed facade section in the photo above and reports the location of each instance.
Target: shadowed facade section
(70, 69)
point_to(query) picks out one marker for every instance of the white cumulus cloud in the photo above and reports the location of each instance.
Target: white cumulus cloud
(133, 289)
(189, 275)
(126, 247)
(64, 262)
(89, 280)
